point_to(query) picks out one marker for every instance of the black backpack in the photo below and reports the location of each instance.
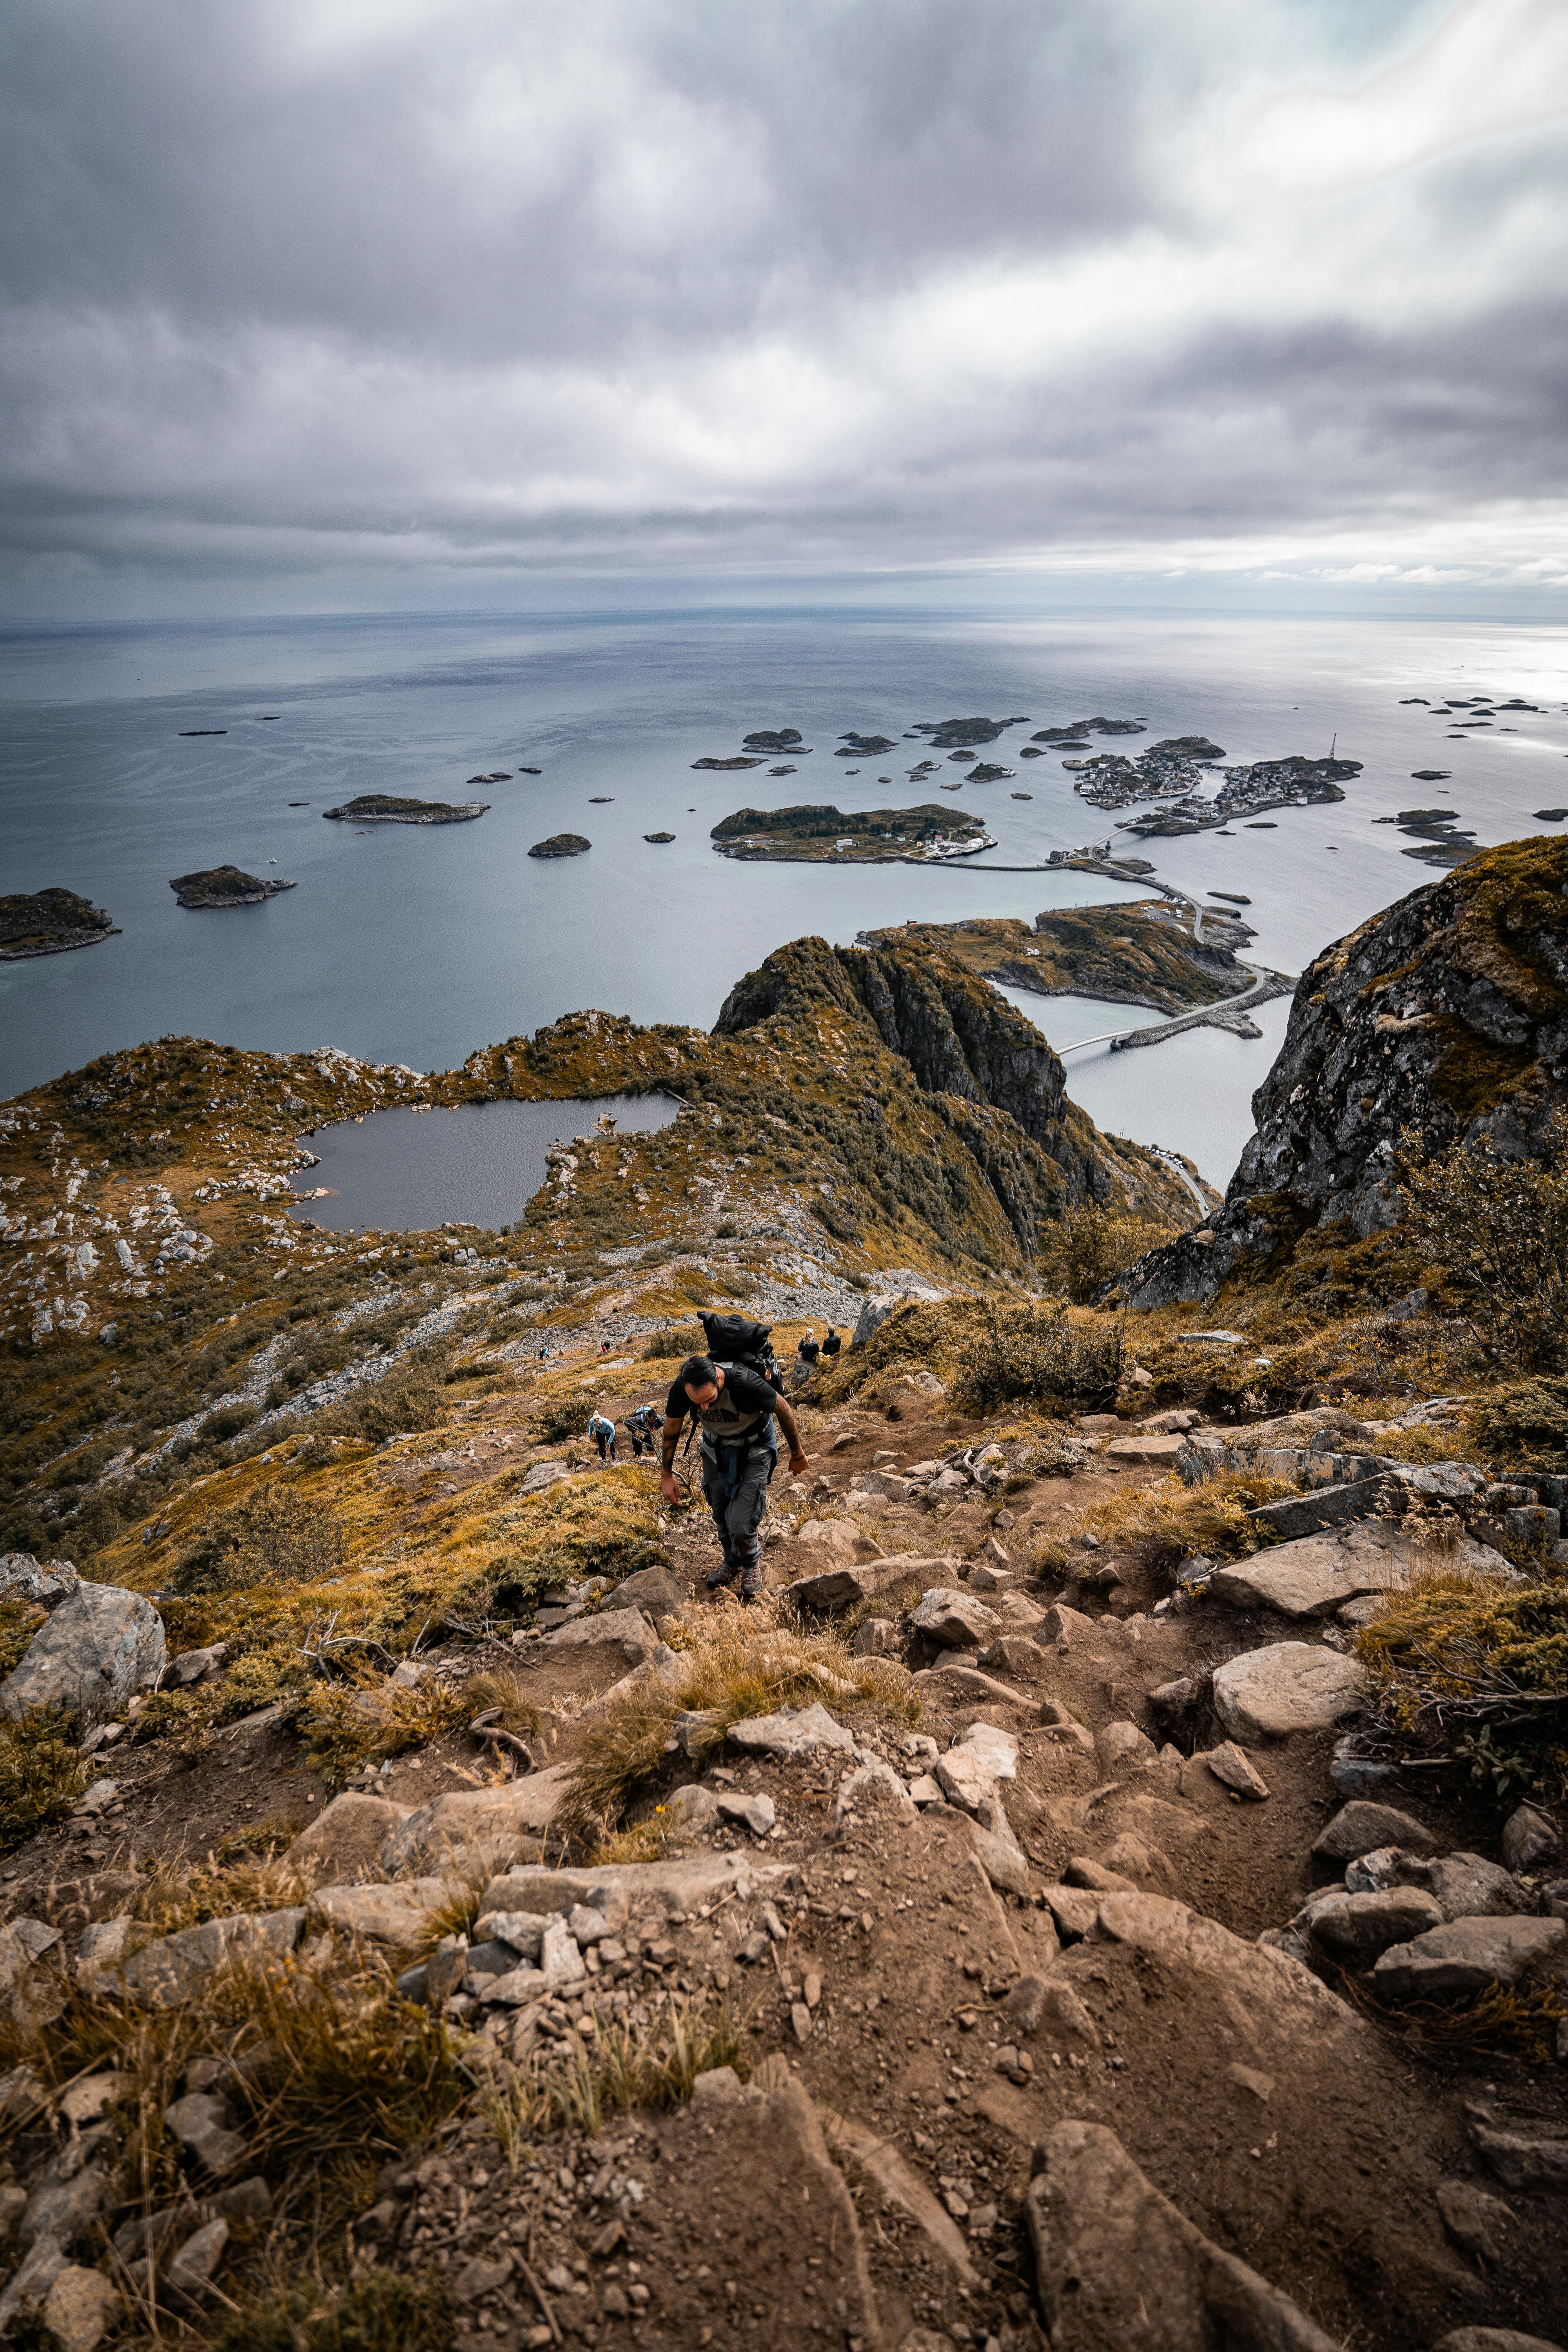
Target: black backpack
(732, 1340)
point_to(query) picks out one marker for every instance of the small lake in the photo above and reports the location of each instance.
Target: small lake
(412, 1170)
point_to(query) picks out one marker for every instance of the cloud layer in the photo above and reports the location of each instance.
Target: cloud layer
(334, 290)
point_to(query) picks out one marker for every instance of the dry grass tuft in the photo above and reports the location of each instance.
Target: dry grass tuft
(345, 1727)
(379, 2313)
(174, 1895)
(744, 1665)
(575, 2084)
(1159, 1525)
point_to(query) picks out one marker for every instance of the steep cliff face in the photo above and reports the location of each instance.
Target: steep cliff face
(1445, 1017)
(968, 1049)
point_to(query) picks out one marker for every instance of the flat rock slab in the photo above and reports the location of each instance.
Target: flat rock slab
(174, 1968)
(1117, 2263)
(619, 1888)
(397, 1915)
(836, 1589)
(1358, 1928)
(793, 1731)
(1150, 1452)
(1361, 1827)
(1467, 1956)
(1284, 1687)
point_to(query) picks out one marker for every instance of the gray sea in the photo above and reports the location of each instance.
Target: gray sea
(417, 944)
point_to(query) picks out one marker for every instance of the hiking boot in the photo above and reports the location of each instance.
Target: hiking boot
(722, 1575)
(752, 1580)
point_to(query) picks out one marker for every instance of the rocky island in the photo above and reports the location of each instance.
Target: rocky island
(564, 845)
(825, 836)
(225, 885)
(1171, 771)
(50, 922)
(1137, 954)
(387, 808)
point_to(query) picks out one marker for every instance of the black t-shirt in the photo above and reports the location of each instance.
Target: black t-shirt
(742, 1406)
(832, 1344)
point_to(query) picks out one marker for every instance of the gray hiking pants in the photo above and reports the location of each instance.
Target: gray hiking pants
(737, 1495)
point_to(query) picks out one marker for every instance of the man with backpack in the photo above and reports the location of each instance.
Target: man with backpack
(639, 1425)
(735, 1404)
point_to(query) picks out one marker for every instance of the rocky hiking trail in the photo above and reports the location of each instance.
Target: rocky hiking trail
(998, 1947)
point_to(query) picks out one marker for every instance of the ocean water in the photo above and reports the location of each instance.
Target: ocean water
(417, 944)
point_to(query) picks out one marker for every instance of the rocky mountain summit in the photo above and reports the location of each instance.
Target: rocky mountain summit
(1444, 1018)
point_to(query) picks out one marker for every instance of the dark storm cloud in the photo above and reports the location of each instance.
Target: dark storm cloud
(329, 287)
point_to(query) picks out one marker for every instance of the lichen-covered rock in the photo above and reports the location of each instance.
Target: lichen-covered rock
(1447, 1015)
(100, 1646)
(1286, 1686)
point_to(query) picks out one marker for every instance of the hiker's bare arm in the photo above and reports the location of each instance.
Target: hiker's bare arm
(670, 1439)
(787, 1422)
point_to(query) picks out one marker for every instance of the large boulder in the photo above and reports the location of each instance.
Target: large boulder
(1360, 1828)
(100, 1647)
(1117, 2264)
(344, 1842)
(653, 1590)
(1286, 1686)
(1469, 1956)
(477, 1828)
(397, 1915)
(955, 1620)
(625, 1631)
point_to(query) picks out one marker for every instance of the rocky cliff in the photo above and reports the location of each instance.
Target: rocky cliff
(1445, 1017)
(965, 1046)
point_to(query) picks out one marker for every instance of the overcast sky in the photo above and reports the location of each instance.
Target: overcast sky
(321, 301)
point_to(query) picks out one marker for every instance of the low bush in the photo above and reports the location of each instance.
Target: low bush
(1497, 1229)
(343, 1728)
(1525, 1424)
(275, 1536)
(1477, 1668)
(1039, 1354)
(42, 1773)
(1090, 1246)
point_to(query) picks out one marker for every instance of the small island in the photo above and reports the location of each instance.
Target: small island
(1136, 953)
(385, 808)
(825, 836)
(659, 836)
(225, 885)
(724, 765)
(50, 922)
(772, 738)
(562, 844)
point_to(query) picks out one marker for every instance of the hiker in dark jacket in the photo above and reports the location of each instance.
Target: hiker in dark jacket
(639, 1426)
(831, 1345)
(735, 1409)
(806, 1356)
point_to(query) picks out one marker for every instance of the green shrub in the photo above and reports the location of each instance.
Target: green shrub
(42, 1774)
(1526, 1424)
(1497, 1229)
(1089, 1246)
(276, 1536)
(1036, 1353)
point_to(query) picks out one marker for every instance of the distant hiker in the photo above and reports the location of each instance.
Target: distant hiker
(806, 1356)
(831, 1345)
(640, 1426)
(735, 1409)
(544, 1353)
(602, 1430)
(603, 1347)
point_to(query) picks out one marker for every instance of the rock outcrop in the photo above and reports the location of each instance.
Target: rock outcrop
(1445, 1017)
(973, 1052)
(49, 922)
(226, 886)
